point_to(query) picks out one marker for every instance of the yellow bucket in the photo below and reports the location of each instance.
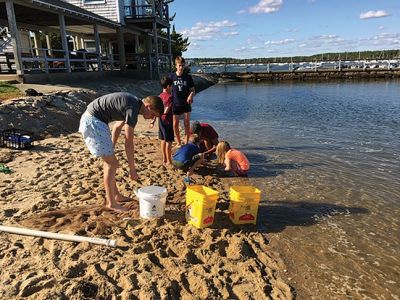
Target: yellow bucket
(200, 205)
(244, 202)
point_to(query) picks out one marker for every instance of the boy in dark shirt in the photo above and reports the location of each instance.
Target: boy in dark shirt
(182, 96)
(208, 137)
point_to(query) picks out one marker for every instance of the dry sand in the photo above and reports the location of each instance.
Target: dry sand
(57, 186)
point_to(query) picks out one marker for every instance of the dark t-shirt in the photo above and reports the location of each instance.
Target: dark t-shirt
(167, 101)
(116, 107)
(181, 88)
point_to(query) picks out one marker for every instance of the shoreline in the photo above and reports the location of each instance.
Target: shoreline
(319, 75)
(56, 186)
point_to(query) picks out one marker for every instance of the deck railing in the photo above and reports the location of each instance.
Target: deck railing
(140, 11)
(43, 60)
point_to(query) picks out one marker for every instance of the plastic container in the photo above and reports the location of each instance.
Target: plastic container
(152, 200)
(16, 139)
(200, 205)
(243, 207)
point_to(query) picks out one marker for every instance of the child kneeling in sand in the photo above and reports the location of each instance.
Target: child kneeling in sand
(233, 159)
(188, 157)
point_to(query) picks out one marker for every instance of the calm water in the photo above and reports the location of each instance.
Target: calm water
(327, 157)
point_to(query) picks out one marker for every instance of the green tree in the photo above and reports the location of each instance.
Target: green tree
(55, 40)
(179, 43)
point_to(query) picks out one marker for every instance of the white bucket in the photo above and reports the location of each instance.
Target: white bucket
(152, 200)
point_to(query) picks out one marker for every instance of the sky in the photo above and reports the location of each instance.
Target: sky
(276, 28)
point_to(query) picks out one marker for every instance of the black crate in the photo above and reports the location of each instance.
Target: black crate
(16, 139)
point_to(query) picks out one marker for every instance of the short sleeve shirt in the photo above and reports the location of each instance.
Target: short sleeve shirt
(167, 101)
(239, 158)
(185, 153)
(116, 107)
(181, 88)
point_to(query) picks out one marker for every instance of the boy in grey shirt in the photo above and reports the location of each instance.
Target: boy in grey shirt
(123, 108)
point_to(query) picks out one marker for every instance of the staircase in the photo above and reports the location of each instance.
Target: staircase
(6, 52)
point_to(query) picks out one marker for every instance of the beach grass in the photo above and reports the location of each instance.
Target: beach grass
(8, 91)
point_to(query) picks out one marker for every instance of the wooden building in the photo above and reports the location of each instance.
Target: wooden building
(96, 35)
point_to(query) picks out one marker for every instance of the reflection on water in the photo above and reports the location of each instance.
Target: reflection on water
(326, 156)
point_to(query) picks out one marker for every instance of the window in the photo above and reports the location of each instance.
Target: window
(94, 1)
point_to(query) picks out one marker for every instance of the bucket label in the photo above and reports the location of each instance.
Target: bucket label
(246, 217)
(208, 220)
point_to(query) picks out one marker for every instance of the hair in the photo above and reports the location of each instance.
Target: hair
(196, 128)
(156, 104)
(222, 148)
(194, 138)
(165, 82)
(179, 59)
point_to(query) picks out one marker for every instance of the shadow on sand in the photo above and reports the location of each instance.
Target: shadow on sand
(275, 217)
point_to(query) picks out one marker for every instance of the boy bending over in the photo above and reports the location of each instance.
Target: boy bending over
(124, 108)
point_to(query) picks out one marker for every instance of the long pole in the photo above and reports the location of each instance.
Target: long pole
(58, 236)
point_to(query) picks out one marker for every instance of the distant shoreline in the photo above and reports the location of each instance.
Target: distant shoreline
(302, 75)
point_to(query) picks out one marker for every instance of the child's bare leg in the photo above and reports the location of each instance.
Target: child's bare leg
(169, 153)
(195, 165)
(234, 167)
(187, 126)
(176, 129)
(164, 151)
(110, 166)
(118, 196)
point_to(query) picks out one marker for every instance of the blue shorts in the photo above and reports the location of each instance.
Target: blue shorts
(97, 135)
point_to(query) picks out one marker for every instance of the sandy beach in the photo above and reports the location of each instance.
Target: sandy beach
(57, 186)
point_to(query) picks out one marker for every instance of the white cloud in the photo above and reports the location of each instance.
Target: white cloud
(381, 27)
(210, 31)
(279, 42)
(230, 33)
(388, 39)
(266, 7)
(374, 14)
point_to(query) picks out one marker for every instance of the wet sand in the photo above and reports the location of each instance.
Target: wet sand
(57, 186)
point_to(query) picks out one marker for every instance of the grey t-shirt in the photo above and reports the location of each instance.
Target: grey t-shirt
(116, 107)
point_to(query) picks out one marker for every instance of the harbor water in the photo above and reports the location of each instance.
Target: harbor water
(326, 156)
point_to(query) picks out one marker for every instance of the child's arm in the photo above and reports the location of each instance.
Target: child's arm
(227, 163)
(167, 109)
(130, 150)
(116, 131)
(191, 95)
(152, 122)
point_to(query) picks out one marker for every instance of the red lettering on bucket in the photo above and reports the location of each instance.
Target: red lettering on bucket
(246, 217)
(208, 220)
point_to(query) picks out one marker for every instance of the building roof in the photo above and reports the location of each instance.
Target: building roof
(71, 9)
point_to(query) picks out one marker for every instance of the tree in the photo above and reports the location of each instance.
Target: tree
(179, 43)
(55, 40)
